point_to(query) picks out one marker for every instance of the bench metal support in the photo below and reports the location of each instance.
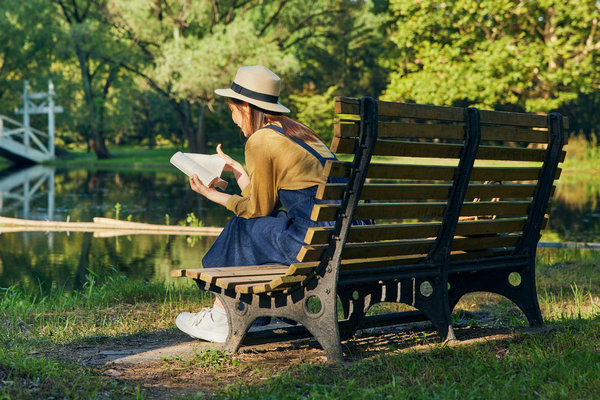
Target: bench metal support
(357, 298)
(496, 280)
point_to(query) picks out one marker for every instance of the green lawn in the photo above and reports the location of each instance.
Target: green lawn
(129, 157)
(562, 361)
(556, 363)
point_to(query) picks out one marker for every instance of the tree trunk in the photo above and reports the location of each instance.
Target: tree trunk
(95, 111)
(196, 137)
(200, 134)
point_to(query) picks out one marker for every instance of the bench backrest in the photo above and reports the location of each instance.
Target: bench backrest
(421, 171)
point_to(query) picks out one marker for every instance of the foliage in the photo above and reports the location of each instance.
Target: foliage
(185, 50)
(25, 49)
(530, 55)
(141, 71)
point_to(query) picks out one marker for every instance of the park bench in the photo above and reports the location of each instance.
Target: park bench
(458, 197)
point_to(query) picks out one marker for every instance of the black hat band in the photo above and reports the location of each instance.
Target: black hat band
(254, 95)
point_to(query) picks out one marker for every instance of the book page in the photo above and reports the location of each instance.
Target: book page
(208, 168)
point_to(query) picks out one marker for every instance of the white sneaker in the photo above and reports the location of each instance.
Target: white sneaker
(201, 325)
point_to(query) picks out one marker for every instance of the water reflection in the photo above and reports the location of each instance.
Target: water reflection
(575, 214)
(79, 195)
(31, 259)
(52, 259)
(19, 188)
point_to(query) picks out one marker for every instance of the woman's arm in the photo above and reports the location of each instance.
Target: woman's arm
(209, 192)
(259, 197)
(240, 174)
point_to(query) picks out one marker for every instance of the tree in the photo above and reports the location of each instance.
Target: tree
(531, 55)
(184, 50)
(88, 36)
(26, 41)
(341, 60)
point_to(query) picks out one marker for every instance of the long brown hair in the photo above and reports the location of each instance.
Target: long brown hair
(259, 118)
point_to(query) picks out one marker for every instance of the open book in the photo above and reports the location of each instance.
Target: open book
(207, 167)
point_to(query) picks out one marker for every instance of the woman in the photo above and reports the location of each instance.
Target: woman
(285, 162)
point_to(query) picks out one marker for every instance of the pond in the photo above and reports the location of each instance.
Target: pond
(52, 259)
(59, 259)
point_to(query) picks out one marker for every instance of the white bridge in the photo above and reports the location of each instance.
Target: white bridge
(20, 142)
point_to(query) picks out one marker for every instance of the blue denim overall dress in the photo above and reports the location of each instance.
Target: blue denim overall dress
(272, 239)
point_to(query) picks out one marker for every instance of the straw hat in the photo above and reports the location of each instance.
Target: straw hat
(256, 85)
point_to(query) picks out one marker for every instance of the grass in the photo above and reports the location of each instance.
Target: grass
(526, 366)
(107, 308)
(560, 362)
(582, 155)
(129, 157)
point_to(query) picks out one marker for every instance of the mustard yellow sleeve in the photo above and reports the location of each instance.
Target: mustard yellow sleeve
(259, 197)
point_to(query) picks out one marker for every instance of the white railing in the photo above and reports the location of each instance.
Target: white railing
(21, 139)
(27, 136)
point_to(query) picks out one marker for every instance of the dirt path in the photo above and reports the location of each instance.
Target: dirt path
(166, 363)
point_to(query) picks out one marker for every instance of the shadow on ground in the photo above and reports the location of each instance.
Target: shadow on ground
(165, 363)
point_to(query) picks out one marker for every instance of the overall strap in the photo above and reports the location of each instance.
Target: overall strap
(305, 145)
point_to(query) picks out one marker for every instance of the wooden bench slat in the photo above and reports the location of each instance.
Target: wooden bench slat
(485, 242)
(243, 269)
(370, 250)
(367, 233)
(376, 262)
(441, 150)
(511, 118)
(380, 262)
(346, 105)
(277, 284)
(250, 288)
(400, 148)
(513, 134)
(513, 154)
(232, 281)
(386, 191)
(445, 131)
(507, 173)
(436, 172)
(393, 171)
(424, 192)
(504, 208)
(405, 247)
(196, 272)
(420, 111)
(257, 273)
(457, 256)
(404, 130)
(327, 212)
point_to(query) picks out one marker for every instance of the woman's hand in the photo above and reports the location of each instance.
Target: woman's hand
(240, 174)
(209, 192)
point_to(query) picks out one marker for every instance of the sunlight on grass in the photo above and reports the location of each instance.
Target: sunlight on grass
(562, 360)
